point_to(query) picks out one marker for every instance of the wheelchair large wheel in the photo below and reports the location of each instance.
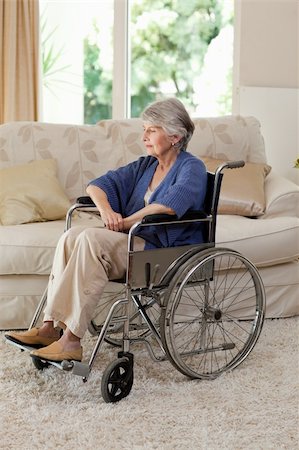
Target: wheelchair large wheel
(214, 312)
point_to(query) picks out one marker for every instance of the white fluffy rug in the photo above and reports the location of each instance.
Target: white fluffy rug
(254, 407)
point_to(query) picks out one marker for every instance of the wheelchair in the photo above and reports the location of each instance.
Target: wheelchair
(199, 306)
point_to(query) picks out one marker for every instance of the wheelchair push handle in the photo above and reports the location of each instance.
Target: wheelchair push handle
(228, 165)
(235, 164)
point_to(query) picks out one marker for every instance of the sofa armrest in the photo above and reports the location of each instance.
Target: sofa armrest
(282, 196)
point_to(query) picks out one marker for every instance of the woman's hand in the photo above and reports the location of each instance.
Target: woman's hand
(112, 220)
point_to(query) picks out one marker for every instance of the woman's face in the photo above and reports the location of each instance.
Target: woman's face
(156, 141)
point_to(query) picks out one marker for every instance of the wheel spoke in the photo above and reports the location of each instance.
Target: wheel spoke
(114, 390)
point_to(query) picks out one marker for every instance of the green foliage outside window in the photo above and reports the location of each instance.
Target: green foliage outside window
(51, 57)
(169, 40)
(97, 86)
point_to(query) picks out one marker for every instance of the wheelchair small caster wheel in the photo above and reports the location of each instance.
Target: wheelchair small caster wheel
(117, 380)
(39, 364)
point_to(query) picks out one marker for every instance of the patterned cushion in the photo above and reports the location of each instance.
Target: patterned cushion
(31, 193)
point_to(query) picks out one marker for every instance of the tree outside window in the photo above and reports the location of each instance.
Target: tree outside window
(177, 48)
(170, 41)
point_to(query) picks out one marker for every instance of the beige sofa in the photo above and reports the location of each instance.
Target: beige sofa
(269, 237)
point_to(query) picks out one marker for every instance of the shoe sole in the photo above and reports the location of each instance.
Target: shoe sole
(53, 360)
(17, 341)
(35, 346)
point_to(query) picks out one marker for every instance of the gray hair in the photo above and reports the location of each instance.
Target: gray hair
(171, 115)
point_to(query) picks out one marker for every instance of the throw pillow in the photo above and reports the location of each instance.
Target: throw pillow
(31, 193)
(242, 190)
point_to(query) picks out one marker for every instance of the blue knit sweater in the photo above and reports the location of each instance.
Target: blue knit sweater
(183, 189)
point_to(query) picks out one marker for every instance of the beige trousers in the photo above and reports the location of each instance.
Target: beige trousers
(85, 260)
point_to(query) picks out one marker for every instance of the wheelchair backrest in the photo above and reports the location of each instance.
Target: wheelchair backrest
(211, 205)
(212, 197)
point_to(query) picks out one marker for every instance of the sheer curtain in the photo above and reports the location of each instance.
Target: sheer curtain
(19, 60)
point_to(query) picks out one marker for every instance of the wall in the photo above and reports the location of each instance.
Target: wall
(266, 81)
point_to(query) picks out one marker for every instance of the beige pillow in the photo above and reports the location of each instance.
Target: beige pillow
(242, 190)
(31, 193)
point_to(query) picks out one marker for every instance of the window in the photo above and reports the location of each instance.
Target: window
(77, 60)
(182, 49)
(105, 58)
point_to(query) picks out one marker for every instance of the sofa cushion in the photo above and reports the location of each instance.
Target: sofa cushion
(264, 242)
(29, 248)
(31, 193)
(228, 137)
(242, 191)
(282, 197)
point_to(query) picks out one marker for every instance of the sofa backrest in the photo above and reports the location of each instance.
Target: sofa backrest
(84, 152)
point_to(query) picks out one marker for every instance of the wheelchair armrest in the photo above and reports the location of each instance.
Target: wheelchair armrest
(86, 201)
(160, 218)
(156, 218)
(83, 204)
(190, 215)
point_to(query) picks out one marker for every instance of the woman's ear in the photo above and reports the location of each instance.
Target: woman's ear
(175, 139)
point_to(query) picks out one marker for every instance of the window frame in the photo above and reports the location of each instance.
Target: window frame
(121, 61)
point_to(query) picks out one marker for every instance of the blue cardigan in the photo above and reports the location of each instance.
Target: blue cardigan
(183, 189)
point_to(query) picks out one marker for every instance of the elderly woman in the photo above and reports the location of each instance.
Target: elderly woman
(169, 180)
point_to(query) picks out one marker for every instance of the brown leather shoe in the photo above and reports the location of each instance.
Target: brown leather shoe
(55, 352)
(30, 337)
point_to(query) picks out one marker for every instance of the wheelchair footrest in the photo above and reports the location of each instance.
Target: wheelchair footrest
(77, 368)
(22, 347)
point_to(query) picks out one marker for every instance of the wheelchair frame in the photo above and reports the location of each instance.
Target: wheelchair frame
(210, 301)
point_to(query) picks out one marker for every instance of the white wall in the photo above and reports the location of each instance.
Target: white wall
(266, 81)
(277, 110)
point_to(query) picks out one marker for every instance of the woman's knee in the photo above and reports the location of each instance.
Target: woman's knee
(89, 235)
(102, 236)
(69, 238)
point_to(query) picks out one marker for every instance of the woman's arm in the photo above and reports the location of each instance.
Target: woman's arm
(112, 220)
(119, 184)
(153, 208)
